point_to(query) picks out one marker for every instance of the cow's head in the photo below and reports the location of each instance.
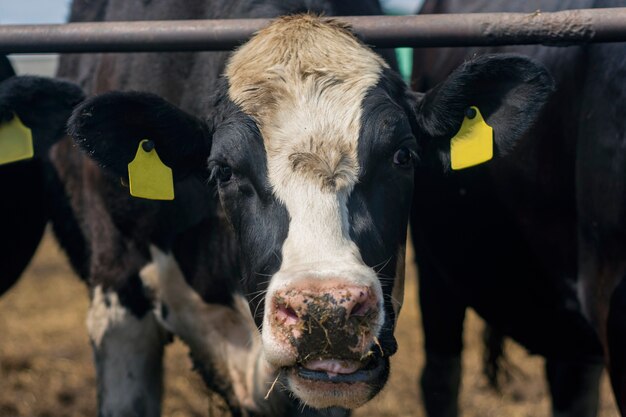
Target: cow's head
(311, 144)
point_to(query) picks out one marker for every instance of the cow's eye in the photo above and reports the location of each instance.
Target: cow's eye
(403, 157)
(221, 173)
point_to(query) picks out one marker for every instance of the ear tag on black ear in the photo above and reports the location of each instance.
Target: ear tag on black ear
(148, 176)
(16, 141)
(473, 144)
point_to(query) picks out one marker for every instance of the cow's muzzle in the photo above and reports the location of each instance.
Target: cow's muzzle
(324, 338)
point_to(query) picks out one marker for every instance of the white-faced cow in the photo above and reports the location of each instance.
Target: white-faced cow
(533, 242)
(294, 172)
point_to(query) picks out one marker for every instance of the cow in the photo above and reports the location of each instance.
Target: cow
(18, 200)
(293, 178)
(533, 241)
(8, 174)
(24, 184)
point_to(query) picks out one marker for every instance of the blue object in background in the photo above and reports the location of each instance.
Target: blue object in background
(405, 63)
(404, 55)
(401, 6)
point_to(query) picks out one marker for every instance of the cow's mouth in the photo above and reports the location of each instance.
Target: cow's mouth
(337, 382)
(340, 371)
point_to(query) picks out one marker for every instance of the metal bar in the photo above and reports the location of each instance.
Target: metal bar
(556, 29)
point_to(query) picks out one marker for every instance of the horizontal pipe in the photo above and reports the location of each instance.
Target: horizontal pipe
(477, 29)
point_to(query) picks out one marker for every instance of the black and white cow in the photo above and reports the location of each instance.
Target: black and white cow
(533, 242)
(308, 143)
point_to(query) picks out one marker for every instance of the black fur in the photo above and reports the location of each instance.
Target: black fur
(25, 209)
(379, 204)
(524, 240)
(617, 341)
(22, 199)
(259, 220)
(22, 217)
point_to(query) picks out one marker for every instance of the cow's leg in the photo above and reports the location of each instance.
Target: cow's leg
(616, 335)
(442, 318)
(604, 304)
(128, 349)
(574, 386)
(597, 277)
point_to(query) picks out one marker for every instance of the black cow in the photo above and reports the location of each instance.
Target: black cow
(18, 243)
(24, 211)
(533, 242)
(294, 170)
(16, 201)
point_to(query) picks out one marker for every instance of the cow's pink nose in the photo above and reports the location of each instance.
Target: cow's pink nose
(301, 302)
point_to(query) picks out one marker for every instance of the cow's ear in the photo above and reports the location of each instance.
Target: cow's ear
(110, 128)
(41, 104)
(508, 91)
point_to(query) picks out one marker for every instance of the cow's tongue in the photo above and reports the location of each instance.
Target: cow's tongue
(333, 367)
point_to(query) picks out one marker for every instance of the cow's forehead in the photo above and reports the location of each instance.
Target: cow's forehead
(303, 80)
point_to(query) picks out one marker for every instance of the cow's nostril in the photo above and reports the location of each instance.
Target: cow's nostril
(291, 312)
(287, 314)
(359, 309)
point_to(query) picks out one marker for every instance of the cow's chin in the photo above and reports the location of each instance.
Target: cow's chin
(337, 383)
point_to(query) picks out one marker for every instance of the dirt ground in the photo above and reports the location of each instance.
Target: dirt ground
(46, 368)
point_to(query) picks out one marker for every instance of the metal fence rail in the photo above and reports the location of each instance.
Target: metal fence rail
(556, 29)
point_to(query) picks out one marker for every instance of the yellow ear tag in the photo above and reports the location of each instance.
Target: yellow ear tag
(16, 141)
(473, 144)
(148, 176)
